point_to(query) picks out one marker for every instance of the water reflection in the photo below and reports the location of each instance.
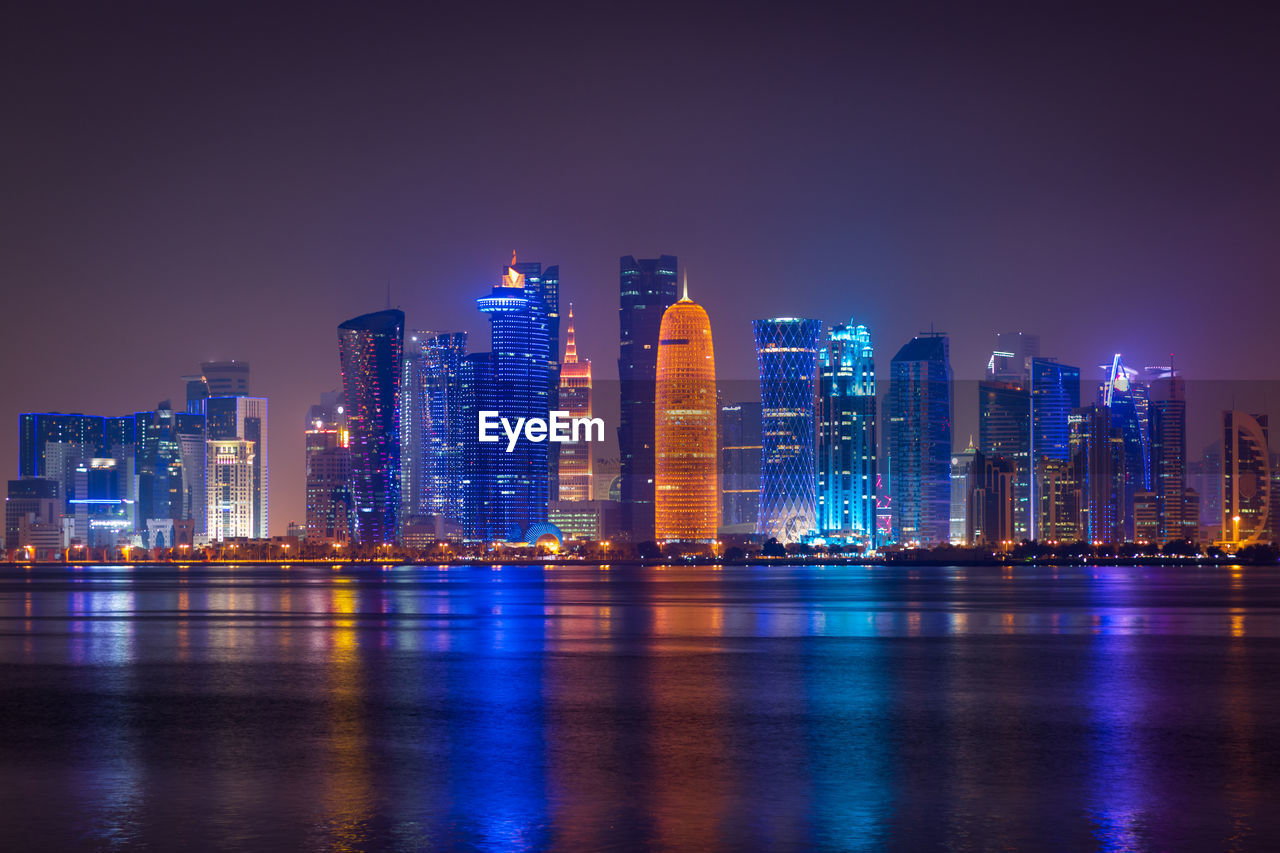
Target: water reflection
(510, 708)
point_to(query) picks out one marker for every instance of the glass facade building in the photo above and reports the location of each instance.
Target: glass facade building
(1055, 393)
(444, 429)
(740, 448)
(647, 288)
(371, 348)
(787, 354)
(1127, 399)
(1246, 479)
(1004, 432)
(919, 437)
(847, 465)
(575, 460)
(245, 419)
(686, 491)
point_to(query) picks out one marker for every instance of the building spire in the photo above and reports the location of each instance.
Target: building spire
(686, 298)
(571, 343)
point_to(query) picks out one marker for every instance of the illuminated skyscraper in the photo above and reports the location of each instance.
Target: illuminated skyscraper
(1011, 359)
(847, 436)
(1055, 393)
(739, 445)
(787, 354)
(1098, 460)
(329, 505)
(575, 398)
(170, 467)
(54, 445)
(1169, 458)
(542, 287)
(246, 418)
(1127, 399)
(647, 289)
(371, 347)
(920, 440)
(445, 432)
(508, 490)
(686, 491)
(230, 489)
(1246, 479)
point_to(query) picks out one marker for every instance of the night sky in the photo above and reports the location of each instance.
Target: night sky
(195, 181)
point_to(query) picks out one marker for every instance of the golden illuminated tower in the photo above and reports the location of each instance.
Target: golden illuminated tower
(575, 398)
(686, 493)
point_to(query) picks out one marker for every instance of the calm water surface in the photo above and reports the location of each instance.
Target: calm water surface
(589, 708)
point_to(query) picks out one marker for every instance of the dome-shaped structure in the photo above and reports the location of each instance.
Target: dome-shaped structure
(534, 534)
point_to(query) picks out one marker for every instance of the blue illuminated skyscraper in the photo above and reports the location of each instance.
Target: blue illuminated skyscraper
(787, 352)
(506, 492)
(919, 434)
(1004, 432)
(1128, 400)
(371, 347)
(1055, 393)
(445, 431)
(847, 436)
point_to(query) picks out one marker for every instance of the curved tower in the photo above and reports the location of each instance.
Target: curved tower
(1246, 479)
(371, 347)
(686, 493)
(787, 351)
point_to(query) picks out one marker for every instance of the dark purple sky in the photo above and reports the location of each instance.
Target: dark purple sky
(213, 180)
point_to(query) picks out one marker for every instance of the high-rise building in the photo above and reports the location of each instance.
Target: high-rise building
(230, 487)
(1099, 460)
(740, 449)
(38, 499)
(787, 354)
(102, 517)
(686, 491)
(245, 419)
(509, 490)
(329, 504)
(847, 466)
(1246, 479)
(575, 474)
(990, 501)
(1057, 501)
(1055, 393)
(1011, 359)
(446, 432)
(371, 347)
(169, 463)
(225, 378)
(542, 288)
(1126, 397)
(54, 445)
(1004, 430)
(919, 434)
(647, 290)
(1168, 414)
(414, 421)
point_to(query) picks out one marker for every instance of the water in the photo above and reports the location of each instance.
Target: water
(625, 708)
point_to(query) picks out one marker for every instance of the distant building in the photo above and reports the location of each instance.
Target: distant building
(1055, 393)
(54, 445)
(169, 464)
(1126, 397)
(445, 428)
(245, 419)
(37, 499)
(575, 476)
(647, 288)
(740, 448)
(787, 353)
(542, 286)
(370, 348)
(1098, 455)
(1011, 359)
(329, 504)
(847, 442)
(230, 489)
(1246, 479)
(919, 437)
(103, 518)
(225, 378)
(1168, 418)
(586, 520)
(686, 491)
(1004, 430)
(1057, 501)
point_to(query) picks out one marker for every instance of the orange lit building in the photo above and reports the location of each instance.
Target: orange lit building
(686, 491)
(575, 398)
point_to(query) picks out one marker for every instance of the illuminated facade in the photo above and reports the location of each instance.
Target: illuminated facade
(1126, 397)
(1055, 393)
(647, 287)
(230, 491)
(1098, 459)
(1004, 431)
(787, 353)
(686, 490)
(246, 419)
(739, 445)
(371, 347)
(329, 505)
(575, 470)
(1246, 479)
(919, 437)
(847, 436)
(1175, 519)
(444, 429)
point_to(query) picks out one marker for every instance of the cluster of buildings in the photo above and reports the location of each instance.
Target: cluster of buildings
(168, 478)
(395, 457)
(822, 457)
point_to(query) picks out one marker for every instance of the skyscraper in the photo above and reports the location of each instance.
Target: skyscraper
(230, 489)
(542, 288)
(1004, 431)
(1011, 359)
(246, 419)
(1246, 479)
(226, 378)
(442, 356)
(1099, 459)
(329, 504)
(371, 347)
(847, 436)
(1169, 458)
(647, 289)
(920, 440)
(575, 398)
(1127, 399)
(740, 448)
(787, 354)
(169, 463)
(53, 445)
(1055, 393)
(686, 491)
(509, 489)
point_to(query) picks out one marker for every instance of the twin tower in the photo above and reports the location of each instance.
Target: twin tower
(686, 487)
